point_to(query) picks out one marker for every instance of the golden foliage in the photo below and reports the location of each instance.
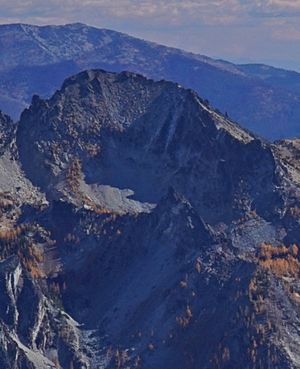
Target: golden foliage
(268, 251)
(281, 260)
(31, 258)
(73, 175)
(6, 200)
(15, 241)
(11, 234)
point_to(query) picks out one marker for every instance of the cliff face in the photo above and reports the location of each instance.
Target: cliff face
(141, 229)
(129, 132)
(35, 60)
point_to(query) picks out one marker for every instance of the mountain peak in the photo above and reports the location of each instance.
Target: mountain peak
(135, 217)
(125, 118)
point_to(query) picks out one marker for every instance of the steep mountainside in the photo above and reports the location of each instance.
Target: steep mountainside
(142, 229)
(35, 60)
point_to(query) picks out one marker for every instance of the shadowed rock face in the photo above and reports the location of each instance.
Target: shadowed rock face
(35, 60)
(141, 229)
(7, 129)
(132, 133)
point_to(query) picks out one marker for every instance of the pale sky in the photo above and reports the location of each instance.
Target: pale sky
(266, 31)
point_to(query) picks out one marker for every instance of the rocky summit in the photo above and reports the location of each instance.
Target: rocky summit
(140, 228)
(36, 60)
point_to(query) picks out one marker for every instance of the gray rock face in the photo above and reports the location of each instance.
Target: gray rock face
(130, 132)
(142, 229)
(35, 60)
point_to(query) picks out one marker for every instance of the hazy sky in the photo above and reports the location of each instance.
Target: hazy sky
(239, 30)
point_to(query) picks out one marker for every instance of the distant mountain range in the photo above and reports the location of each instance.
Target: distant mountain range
(35, 60)
(139, 228)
